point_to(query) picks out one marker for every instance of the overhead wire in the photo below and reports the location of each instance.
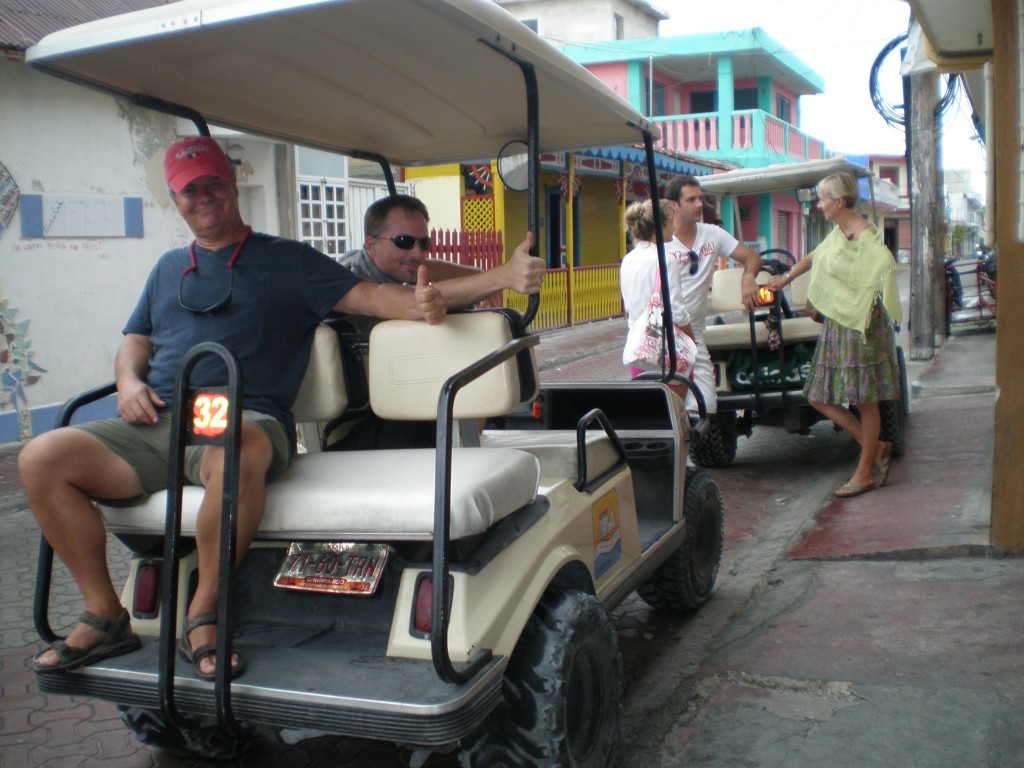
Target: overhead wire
(896, 115)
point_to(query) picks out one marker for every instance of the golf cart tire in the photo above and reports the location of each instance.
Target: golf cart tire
(894, 413)
(561, 705)
(685, 581)
(204, 740)
(894, 425)
(717, 446)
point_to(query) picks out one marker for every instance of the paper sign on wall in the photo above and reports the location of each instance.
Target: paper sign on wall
(52, 215)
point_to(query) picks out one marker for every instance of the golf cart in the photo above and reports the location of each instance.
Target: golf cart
(447, 598)
(762, 358)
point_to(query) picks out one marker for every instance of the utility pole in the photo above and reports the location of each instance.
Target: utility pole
(927, 280)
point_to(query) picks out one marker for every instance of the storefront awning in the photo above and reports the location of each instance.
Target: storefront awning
(662, 162)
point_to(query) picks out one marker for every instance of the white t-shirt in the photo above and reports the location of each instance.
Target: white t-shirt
(638, 276)
(710, 243)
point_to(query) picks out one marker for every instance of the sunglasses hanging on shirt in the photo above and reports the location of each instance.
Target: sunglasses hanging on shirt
(193, 268)
(694, 262)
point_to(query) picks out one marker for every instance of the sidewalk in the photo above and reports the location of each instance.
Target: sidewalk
(890, 634)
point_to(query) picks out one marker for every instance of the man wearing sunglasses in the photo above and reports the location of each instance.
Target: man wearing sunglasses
(260, 296)
(397, 243)
(703, 244)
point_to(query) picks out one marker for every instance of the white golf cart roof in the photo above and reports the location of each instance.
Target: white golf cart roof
(414, 81)
(777, 178)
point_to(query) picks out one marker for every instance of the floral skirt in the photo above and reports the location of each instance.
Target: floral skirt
(852, 367)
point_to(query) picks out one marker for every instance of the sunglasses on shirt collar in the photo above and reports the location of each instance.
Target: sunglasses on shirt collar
(694, 261)
(407, 242)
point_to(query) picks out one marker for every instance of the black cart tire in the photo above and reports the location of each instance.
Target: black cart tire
(204, 739)
(895, 413)
(686, 580)
(717, 446)
(894, 426)
(561, 705)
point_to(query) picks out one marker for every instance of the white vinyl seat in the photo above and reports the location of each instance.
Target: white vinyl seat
(726, 296)
(366, 495)
(557, 451)
(387, 494)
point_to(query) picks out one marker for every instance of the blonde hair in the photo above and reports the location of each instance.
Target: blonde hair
(639, 219)
(841, 186)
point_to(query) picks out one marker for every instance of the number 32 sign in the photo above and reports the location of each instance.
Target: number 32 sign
(209, 422)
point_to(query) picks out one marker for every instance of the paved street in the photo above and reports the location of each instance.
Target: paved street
(879, 631)
(56, 732)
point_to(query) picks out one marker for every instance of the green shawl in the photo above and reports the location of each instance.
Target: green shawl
(848, 275)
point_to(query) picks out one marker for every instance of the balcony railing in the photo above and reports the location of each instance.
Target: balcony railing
(751, 130)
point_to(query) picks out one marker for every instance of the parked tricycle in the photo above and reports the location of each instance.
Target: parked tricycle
(971, 291)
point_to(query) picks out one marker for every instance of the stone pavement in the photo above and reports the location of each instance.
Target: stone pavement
(888, 635)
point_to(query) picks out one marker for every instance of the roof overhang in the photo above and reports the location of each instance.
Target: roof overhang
(778, 178)
(959, 33)
(417, 81)
(753, 54)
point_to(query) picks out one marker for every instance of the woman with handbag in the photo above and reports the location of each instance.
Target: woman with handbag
(641, 294)
(853, 287)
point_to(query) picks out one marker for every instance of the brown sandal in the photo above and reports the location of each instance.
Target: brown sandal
(849, 490)
(195, 655)
(118, 640)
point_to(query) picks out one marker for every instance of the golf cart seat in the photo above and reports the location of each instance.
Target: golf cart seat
(726, 296)
(388, 494)
(559, 452)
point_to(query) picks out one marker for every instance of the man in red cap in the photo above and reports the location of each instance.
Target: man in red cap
(261, 297)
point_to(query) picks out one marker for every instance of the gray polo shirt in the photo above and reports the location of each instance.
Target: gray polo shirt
(359, 262)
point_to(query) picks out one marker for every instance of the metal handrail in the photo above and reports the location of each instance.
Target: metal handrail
(595, 414)
(440, 610)
(228, 537)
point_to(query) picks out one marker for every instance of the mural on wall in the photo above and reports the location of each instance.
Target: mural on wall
(17, 370)
(9, 195)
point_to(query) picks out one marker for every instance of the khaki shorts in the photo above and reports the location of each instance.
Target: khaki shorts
(147, 449)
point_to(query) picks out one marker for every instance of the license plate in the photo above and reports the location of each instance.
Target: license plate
(335, 568)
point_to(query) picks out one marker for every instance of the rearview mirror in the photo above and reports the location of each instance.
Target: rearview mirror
(514, 166)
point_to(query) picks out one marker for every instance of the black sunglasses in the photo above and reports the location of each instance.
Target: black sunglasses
(694, 262)
(193, 267)
(213, 308)
(407, 242)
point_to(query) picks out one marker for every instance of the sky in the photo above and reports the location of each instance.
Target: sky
(838, 39)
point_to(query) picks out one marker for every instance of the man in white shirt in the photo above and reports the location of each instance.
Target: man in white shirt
(701, 245)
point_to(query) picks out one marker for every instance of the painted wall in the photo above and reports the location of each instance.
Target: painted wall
(599, 222)
(579, 21)
(614, 75)
(64, 298)
(440, 188)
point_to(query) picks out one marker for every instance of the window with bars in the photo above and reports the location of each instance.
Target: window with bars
(322, 216)
(782, 233)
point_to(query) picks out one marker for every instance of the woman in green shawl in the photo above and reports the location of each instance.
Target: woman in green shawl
(853, 286)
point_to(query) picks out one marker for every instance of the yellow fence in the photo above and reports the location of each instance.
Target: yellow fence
(593, 295)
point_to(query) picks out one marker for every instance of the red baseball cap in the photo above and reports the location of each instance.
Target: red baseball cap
(196, 156)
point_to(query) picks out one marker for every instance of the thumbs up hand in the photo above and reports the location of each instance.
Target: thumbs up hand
(429, 299)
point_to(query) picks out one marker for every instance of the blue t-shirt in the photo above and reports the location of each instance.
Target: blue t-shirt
(282, 289)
